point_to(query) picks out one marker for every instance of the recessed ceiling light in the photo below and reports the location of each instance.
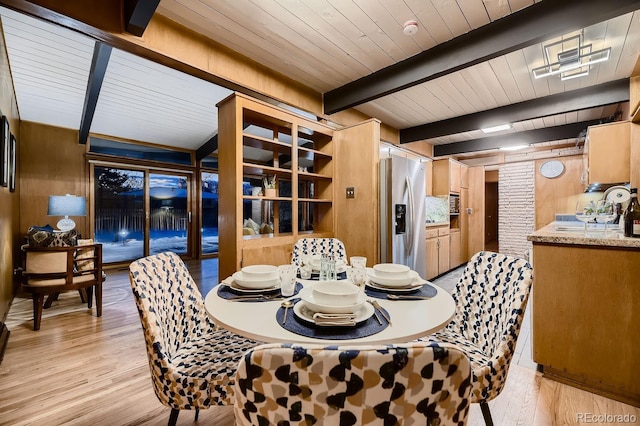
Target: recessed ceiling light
(496, 128)
(513, 148)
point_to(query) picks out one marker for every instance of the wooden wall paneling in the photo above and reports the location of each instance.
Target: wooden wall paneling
(558, 195)
(634, 156)
(476, 204)
(356, 159)
(9, 201)
(51, 163)
(634, 98)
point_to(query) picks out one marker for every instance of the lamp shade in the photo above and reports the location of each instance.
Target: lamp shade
(67, 205)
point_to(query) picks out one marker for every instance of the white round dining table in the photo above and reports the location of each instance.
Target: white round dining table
(410, 319)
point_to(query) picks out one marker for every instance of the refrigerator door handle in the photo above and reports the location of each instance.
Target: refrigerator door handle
(408, 242)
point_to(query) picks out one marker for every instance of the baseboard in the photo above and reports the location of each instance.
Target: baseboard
(4, 339)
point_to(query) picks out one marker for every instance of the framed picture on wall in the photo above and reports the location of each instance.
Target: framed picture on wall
(12, 163)
(4, 151)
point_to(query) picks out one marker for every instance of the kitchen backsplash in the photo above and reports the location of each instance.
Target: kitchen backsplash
(437, 209)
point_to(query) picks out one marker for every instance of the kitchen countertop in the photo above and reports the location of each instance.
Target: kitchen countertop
(433, 224)
(572, 233)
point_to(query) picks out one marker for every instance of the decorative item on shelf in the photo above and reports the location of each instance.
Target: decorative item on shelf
(67, 205)
(269, 184)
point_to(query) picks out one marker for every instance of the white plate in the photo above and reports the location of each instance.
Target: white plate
(392, 281)
(250, 284)
(306, 294)
(302, 311)
(409, 289)
(235, 287)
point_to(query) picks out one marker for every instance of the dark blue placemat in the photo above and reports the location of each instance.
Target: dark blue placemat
(426, 290)
(366, 328)
(316, 275)
(227, 292)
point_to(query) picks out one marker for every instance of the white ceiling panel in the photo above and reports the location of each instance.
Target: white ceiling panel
(50, 68)
(145, 101)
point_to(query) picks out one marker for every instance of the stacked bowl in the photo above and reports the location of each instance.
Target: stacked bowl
(257, 277)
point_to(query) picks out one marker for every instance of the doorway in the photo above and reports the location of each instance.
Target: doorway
(491, 211)
(139, 212)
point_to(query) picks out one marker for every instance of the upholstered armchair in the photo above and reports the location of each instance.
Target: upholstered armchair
(294, 384)
(192, 362)
(317, 247)
(48, 271)
(491, 297)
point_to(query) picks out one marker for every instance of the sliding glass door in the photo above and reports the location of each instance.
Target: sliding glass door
(169, 219)
(140, 212)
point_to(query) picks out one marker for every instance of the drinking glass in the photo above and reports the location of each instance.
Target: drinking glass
(357, 276)
(585, 212)
(287, 279)
(358, 261)
(306, 268)
(605, 212)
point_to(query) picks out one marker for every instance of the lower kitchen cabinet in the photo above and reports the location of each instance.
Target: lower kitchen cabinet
(455, 249)
(438, 247)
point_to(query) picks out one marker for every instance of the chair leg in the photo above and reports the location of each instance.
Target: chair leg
(484, 406)
(197, 412)
(38, 299)
(89, 292)
(50, 299)
(83, 295)
(173, 418)
(98, 290)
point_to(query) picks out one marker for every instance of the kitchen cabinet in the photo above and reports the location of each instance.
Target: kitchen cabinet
(455, 249)
(609, 152)
(438, 246)
(447, 176)
(585, 314)
(256, 141)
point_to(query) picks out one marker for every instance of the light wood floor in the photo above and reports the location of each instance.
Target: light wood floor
(83, 370)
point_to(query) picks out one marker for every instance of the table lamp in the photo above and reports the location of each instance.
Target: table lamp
(66, 205)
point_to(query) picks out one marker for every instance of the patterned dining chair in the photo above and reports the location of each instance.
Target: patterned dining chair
(491, 297)
(414, 383)
(192, 362)
(317, 247)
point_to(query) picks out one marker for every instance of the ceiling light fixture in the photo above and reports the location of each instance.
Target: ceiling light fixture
(513, 148)
(496, 128)
(410, 28)
(570, 58)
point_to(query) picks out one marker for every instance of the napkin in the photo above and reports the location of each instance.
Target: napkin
(334, 319)
(228, 281)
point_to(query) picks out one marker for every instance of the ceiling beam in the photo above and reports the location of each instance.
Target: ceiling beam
(534, 24)
(137, 14)
(529, 137)
(207, 148)
(609, 93)
(101, 54)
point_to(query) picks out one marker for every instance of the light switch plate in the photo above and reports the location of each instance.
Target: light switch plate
(351, 192)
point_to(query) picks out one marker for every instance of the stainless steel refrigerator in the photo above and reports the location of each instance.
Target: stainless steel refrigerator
(402, 215)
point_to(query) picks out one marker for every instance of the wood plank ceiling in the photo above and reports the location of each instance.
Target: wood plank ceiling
(329, 43)
(324, 44)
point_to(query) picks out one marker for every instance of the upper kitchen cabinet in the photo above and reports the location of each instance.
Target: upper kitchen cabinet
(609, 152)
(447, 177)
(262, 146)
